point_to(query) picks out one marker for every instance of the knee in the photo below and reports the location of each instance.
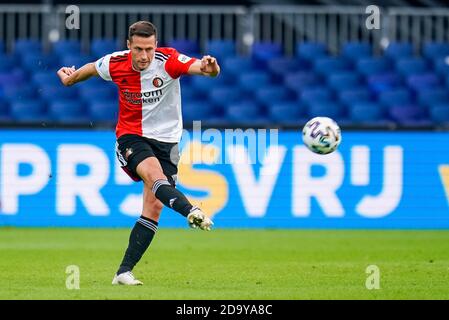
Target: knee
(158, 206)
(153, 210)
(150, 178)
(150, 174)
(147, 177)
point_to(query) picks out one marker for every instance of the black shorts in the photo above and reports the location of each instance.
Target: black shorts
(132, 149)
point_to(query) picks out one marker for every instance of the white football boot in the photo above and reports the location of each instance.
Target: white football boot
(126, 278)
(197, 219)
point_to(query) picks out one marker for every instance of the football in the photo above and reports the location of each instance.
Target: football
(321, 135)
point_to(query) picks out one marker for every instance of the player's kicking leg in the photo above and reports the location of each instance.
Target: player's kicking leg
(140, 238)
(150, 171)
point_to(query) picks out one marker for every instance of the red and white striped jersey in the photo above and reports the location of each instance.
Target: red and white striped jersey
(149, 100)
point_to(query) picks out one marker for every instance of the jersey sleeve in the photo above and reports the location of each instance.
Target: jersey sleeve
(102, 66)
(178, 64)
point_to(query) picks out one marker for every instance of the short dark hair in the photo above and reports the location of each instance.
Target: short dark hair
(142, 29)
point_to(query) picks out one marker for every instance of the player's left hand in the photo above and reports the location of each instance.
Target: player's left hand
(64, 73)
(209, 65)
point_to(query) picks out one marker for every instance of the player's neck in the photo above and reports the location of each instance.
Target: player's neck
(135, 68)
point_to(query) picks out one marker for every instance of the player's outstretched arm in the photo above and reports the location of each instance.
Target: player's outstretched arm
(207, 66)
(69, 76)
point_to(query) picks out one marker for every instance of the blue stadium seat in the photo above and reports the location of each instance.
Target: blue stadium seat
(343, 80)
(190, 93)
(19, 74)
(373, 66)
(51, 92)
(309, 96)
(7, 62)
(197, 110)
(279, 66)
(286, 112)
(356, 50)
(4, 111)
(433, 50)
(103, 111)
(409, 66)
(366, 112)
(28, 111)
(264, 51)
(235, 65)
(97, 93)
(216, 122)
(19, 93)
(383, 82)
(94, 82)
(244, 112)
(407, 114)
(102, 47)
(204, 84)
(311, 50)
(359, 94)
(68, 111)
(423, 81)
(24, 46)
(440, 113)
(185, 46)
(46, 78)
(187, 80)
(39, 62)
(76, 60)
(441, 66)
(329, 65)
(2, 47)
(330, 109)
(278, 93)
(282, 89)
(397, 50)
(396, 96)
(301, 80)
(251, 81)
(224, 95)
(64, 47)
(430, 97)
(220, 49)
(11, 78)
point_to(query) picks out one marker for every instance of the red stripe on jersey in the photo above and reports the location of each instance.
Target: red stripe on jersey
(174, 67)
(130, 102)
(119, 57)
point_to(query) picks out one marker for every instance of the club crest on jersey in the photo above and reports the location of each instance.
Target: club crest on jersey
(183, 58)
(157, 82)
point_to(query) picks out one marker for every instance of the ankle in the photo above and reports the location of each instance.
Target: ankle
(123, 269)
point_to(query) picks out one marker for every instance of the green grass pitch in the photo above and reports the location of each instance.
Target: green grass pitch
(227, 264)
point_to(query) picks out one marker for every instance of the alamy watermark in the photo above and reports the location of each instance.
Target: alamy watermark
(72, 281)
(372, 22)
(213, 146)
(373, 280)
(73, 19)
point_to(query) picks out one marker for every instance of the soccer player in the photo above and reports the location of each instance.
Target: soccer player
(149, 128)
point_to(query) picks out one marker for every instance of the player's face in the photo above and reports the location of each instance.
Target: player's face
(142, 51)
